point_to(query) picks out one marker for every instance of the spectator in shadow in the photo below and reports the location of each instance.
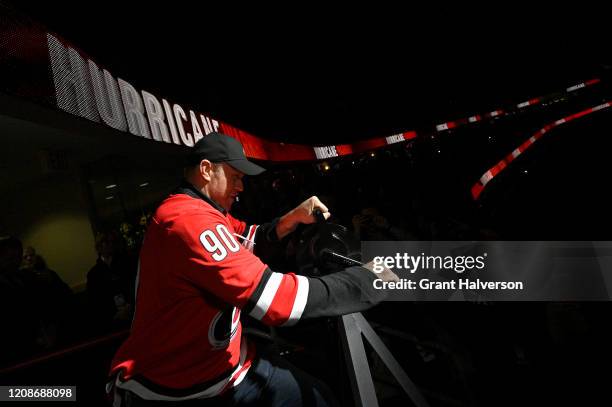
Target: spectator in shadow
(17, 314)
(54, 300)
(370, 224)
(110, 285)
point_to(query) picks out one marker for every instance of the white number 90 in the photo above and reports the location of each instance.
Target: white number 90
(212, 244)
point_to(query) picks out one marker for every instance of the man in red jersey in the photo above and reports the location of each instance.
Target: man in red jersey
(195, 280)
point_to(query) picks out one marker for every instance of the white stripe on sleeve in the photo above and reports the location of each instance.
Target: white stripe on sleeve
(264, 301)
(300, 301)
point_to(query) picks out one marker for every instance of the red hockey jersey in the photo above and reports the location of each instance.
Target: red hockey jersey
(193, 282)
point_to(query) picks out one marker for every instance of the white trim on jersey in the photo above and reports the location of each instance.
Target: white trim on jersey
(265, 300)
(249, 241)
(252, 231)
(300, 301)
(214, 390)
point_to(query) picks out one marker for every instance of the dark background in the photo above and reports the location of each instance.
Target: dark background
(321, 76)
(326, 75)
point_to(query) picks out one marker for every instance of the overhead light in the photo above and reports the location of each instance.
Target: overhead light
(111, 186)
(326, 167)
(144, 184)
(109, 197)
(372, 154)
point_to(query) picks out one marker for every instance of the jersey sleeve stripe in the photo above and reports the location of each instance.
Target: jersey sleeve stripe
(249, 239)
(282, 305)
(250, 242)
(267, 296)
(300, 301)
(252, 231)
(252, 301)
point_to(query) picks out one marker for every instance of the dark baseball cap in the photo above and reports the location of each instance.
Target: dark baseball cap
(220, 148)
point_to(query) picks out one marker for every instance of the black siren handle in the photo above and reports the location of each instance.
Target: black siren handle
(318, 215)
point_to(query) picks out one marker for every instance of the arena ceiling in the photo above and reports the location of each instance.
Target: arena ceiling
(312, 76)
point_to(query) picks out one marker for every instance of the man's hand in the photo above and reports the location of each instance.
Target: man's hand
(303, 213)
(385, 275)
